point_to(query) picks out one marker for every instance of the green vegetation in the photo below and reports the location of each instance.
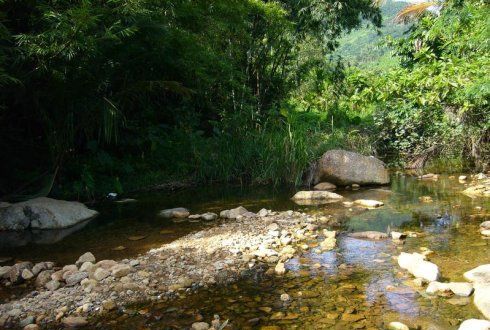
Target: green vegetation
(101, 96)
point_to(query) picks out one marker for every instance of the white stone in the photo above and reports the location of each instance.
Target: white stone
(200, 326)
(397, 326)
(458, 288)
(316, 195)
(480, 274)
(474, 324)
(416, 264)
(88, 256)
(368, 203)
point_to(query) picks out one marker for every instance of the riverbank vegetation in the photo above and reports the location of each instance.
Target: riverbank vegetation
(117, 96)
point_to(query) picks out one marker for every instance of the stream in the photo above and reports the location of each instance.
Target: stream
(358, 285)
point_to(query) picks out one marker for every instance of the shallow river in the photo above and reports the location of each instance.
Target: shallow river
(358, 285)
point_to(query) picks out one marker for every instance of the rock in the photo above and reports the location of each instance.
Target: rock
(200, 326)
(43, 278)
(44, 213)
(481, 298)
(263, 213)
(27, 274)
(316, 195)
(234, 213)
(100, 274)
(75, 278)
(462, 177)
(108, 304)
(345, 168)
(485, 232)
(86, 257)
(136, 237)
(106, 264)
(480, 274)
(39, 267)
(416, 264)
(4, 271)
(285, 297)
(397, 326)
(458, 288)
(87, 266)
(52, 285)
(280, 269)
(474, 324)
(194, 217)
(15, 272)
(224, 214)
(375, 235)
(178, 212)
(368, 203)
(120, 270)
(397, 235)
(31, 327)
(209, 216)
(74, 321)
(325, 186)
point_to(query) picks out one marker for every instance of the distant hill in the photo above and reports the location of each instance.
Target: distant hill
(362, 47)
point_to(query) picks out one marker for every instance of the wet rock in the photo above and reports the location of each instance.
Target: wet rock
(43, 278)
(86, 257)
(325, 186)
(480, 274)
(474, 324)
(397, 326)
(416, 264)
(178, 212)
(352, 317)
(44, 213)
(74, 321)
(458, 288)
(209, 216)
(316, 195)
(52, 285)
(374, 235)
(75, 278)
(368, 203)
(329, 242)
(345, 167)
(120, 270)
(200, 326)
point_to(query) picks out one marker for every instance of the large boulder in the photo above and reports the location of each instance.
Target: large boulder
(44, 213)
(343, 167)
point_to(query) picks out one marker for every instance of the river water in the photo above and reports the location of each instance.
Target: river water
(358, 285)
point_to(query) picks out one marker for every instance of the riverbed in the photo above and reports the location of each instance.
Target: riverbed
(358, 285)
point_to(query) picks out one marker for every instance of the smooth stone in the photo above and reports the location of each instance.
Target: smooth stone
(397, 235)
(280, 269)
(52, 285)
(416, 264)
(200, 326)
(86, 257)
(87, 266)
(209, 216)
(485, 225)
(100, 274)
(74, 321)
(375, 235)
(368, 203)
(325, 186)
(106, 264)
(27, 274)
(481, 298)
(234, 213)
(316, 195)
(485, 232)
(458, 288)
(397, 326)
(120, 270)
(480, 274)
(178, 212)
(474, 324)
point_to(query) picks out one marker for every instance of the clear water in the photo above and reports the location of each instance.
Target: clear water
(358, 286)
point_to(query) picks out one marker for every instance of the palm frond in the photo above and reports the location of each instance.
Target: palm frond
(413, 11)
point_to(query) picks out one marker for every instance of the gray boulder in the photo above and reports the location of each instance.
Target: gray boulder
(44, 213)
(343, 167)
(15, 272)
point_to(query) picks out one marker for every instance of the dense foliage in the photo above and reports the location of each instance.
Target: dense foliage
(102, 96)
(100, 90)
